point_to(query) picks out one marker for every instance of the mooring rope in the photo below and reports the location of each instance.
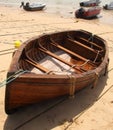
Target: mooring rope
(64, 71)
(1, 71)
(7, 51)
(13, 77)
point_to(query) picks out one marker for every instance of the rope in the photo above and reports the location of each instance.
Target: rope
(72, 80)
(103, 33)
(34, 24)
(7, 51)
(2, 71)
(96, 56)
(29, 32)
(82, 64)
(13, 77)
(77, 65)
(68, 70)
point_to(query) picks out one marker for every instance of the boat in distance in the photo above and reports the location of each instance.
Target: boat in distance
(54, 65)
(32, 7)
(108, 6)
(90, 3)
(87, 13)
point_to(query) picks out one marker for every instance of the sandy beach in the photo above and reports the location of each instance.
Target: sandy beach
(91, 109)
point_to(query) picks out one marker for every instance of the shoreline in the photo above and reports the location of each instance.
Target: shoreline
(105, 17)
(17, 24)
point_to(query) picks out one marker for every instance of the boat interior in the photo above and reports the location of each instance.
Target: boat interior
(63, 53)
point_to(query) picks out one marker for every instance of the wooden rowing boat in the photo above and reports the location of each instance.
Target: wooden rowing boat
(53, 65)
(32, 7)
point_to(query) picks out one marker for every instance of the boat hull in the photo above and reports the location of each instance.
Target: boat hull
(87, 14)
(30, 87)
(34, 8)
(36, 89)
(108, 7)
(89, 3)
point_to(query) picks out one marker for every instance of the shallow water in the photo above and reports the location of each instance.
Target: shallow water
(66, 8)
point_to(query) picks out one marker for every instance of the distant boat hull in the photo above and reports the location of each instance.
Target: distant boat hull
(32, 7)
(53, 65)
(88, 13)
(90, 3)
(108, 6)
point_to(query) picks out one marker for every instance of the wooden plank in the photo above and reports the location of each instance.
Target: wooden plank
(60, 59)
(37, 65)
(86, 47)
(88, 41)
(72, 53)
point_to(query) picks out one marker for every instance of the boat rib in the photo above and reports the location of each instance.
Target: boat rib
(72, 53)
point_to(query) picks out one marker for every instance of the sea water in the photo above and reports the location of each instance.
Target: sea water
(65, 8)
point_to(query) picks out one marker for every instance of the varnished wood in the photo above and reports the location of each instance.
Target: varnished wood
(57, 65)
(60, 59)
(73, 53)
(82, 45)
(38, 66)
(91, 43)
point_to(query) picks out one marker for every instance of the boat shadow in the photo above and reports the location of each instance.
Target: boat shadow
(53, 113)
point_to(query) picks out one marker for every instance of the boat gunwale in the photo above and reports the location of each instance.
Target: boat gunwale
(14, 68)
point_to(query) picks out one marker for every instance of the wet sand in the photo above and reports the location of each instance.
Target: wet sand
(65, 8)
(91, 109)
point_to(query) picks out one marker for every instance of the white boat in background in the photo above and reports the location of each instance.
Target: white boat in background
(32, 7)
(108, 6)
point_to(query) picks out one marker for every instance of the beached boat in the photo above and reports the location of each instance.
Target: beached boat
(90, 3)
(87, 13)
(32, 7)
(54, 65)
(108, 6)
